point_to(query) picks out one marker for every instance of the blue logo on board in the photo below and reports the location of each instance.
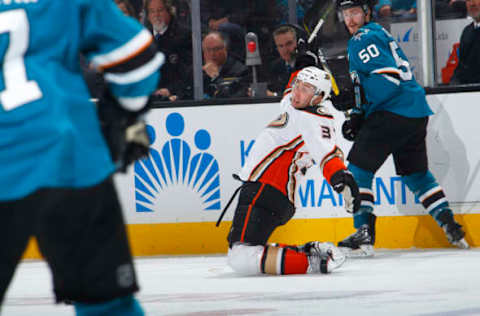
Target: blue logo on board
(406, 37)
(179, 168)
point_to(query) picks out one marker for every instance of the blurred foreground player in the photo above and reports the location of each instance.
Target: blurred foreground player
(56, 169)
(391, 119)
(302, 136)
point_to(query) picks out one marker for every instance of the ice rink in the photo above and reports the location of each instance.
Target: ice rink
(410, 282)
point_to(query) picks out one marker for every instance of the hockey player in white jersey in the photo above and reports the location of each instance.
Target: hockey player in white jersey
(301, 137)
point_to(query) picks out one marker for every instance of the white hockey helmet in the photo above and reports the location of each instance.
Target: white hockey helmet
(318, 78)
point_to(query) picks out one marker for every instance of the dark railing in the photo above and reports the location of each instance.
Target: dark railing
(233, 101)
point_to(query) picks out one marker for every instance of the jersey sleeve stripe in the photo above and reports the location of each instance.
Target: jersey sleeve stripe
(136, 61)
(390, 73)
(119, 55)
(259, 169)
(387, 70)
(332, 162)
(137, 74)
(391, 79)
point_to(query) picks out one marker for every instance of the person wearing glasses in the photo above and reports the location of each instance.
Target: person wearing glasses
(224, 76)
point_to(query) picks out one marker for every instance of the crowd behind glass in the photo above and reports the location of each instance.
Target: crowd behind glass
(225, 23)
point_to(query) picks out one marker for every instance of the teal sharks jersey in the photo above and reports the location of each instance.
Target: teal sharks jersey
(49, 130)
(384, 73)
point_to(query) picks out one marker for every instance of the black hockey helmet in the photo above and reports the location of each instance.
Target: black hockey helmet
(366, 5)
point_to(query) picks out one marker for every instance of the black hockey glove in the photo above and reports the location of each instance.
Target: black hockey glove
(304, 56)
(125, 133)
(345, 100)
(343, 182)
(352, 125)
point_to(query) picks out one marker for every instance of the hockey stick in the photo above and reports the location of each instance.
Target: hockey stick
(314, 34)
(341, 75)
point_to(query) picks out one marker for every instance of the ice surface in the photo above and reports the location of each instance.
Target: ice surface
(409, 282)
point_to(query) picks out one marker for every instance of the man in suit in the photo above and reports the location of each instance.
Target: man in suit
(280, 69)
(175, 41)
(223, 75)
(468, 69)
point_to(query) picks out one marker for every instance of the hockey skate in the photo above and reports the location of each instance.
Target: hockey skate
(323, 257)
(360, 243)
(452, 229)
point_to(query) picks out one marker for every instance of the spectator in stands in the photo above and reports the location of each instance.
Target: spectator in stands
(468, 69)
(397, 8)
(285, 39)
(229, 18)
(218, 12)
(450, 9)
(175, 42)
(127, 8)
(223, 75)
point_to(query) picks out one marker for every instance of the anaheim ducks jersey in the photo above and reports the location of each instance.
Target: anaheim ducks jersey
(292, 143)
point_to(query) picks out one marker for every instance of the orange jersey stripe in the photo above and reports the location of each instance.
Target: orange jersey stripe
(274, 169)
(265, 162)
(131, 56)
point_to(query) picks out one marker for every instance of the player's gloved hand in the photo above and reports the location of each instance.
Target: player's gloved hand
(304, 56)
(352, 125)
(136, 146)
(345, 100)
(124, 131)
(343, 182)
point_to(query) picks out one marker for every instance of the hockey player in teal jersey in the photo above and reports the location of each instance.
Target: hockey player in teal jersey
(390, 118)
(56, 166)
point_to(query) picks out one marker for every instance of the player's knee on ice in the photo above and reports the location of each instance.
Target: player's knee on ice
(245, 259)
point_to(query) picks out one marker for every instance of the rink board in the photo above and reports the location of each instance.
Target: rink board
(393, 232)
(172, 200)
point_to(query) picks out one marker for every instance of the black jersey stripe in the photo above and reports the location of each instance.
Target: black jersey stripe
(134, 62)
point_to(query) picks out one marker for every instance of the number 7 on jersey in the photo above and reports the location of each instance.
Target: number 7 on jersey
(18, 89)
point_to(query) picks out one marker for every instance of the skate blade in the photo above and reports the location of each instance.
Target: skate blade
(365, 251)
(462, 244)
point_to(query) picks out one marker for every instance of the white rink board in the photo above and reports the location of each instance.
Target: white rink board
(452, 145)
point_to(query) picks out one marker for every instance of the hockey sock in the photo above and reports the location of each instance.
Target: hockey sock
(364, 180)
(283, 260)
(428, 192)
(124, 306)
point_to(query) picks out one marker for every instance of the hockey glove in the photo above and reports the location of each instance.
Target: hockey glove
(124, 131)
(343, 182)
(304, 57)
(345, 100)
(352, 125)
